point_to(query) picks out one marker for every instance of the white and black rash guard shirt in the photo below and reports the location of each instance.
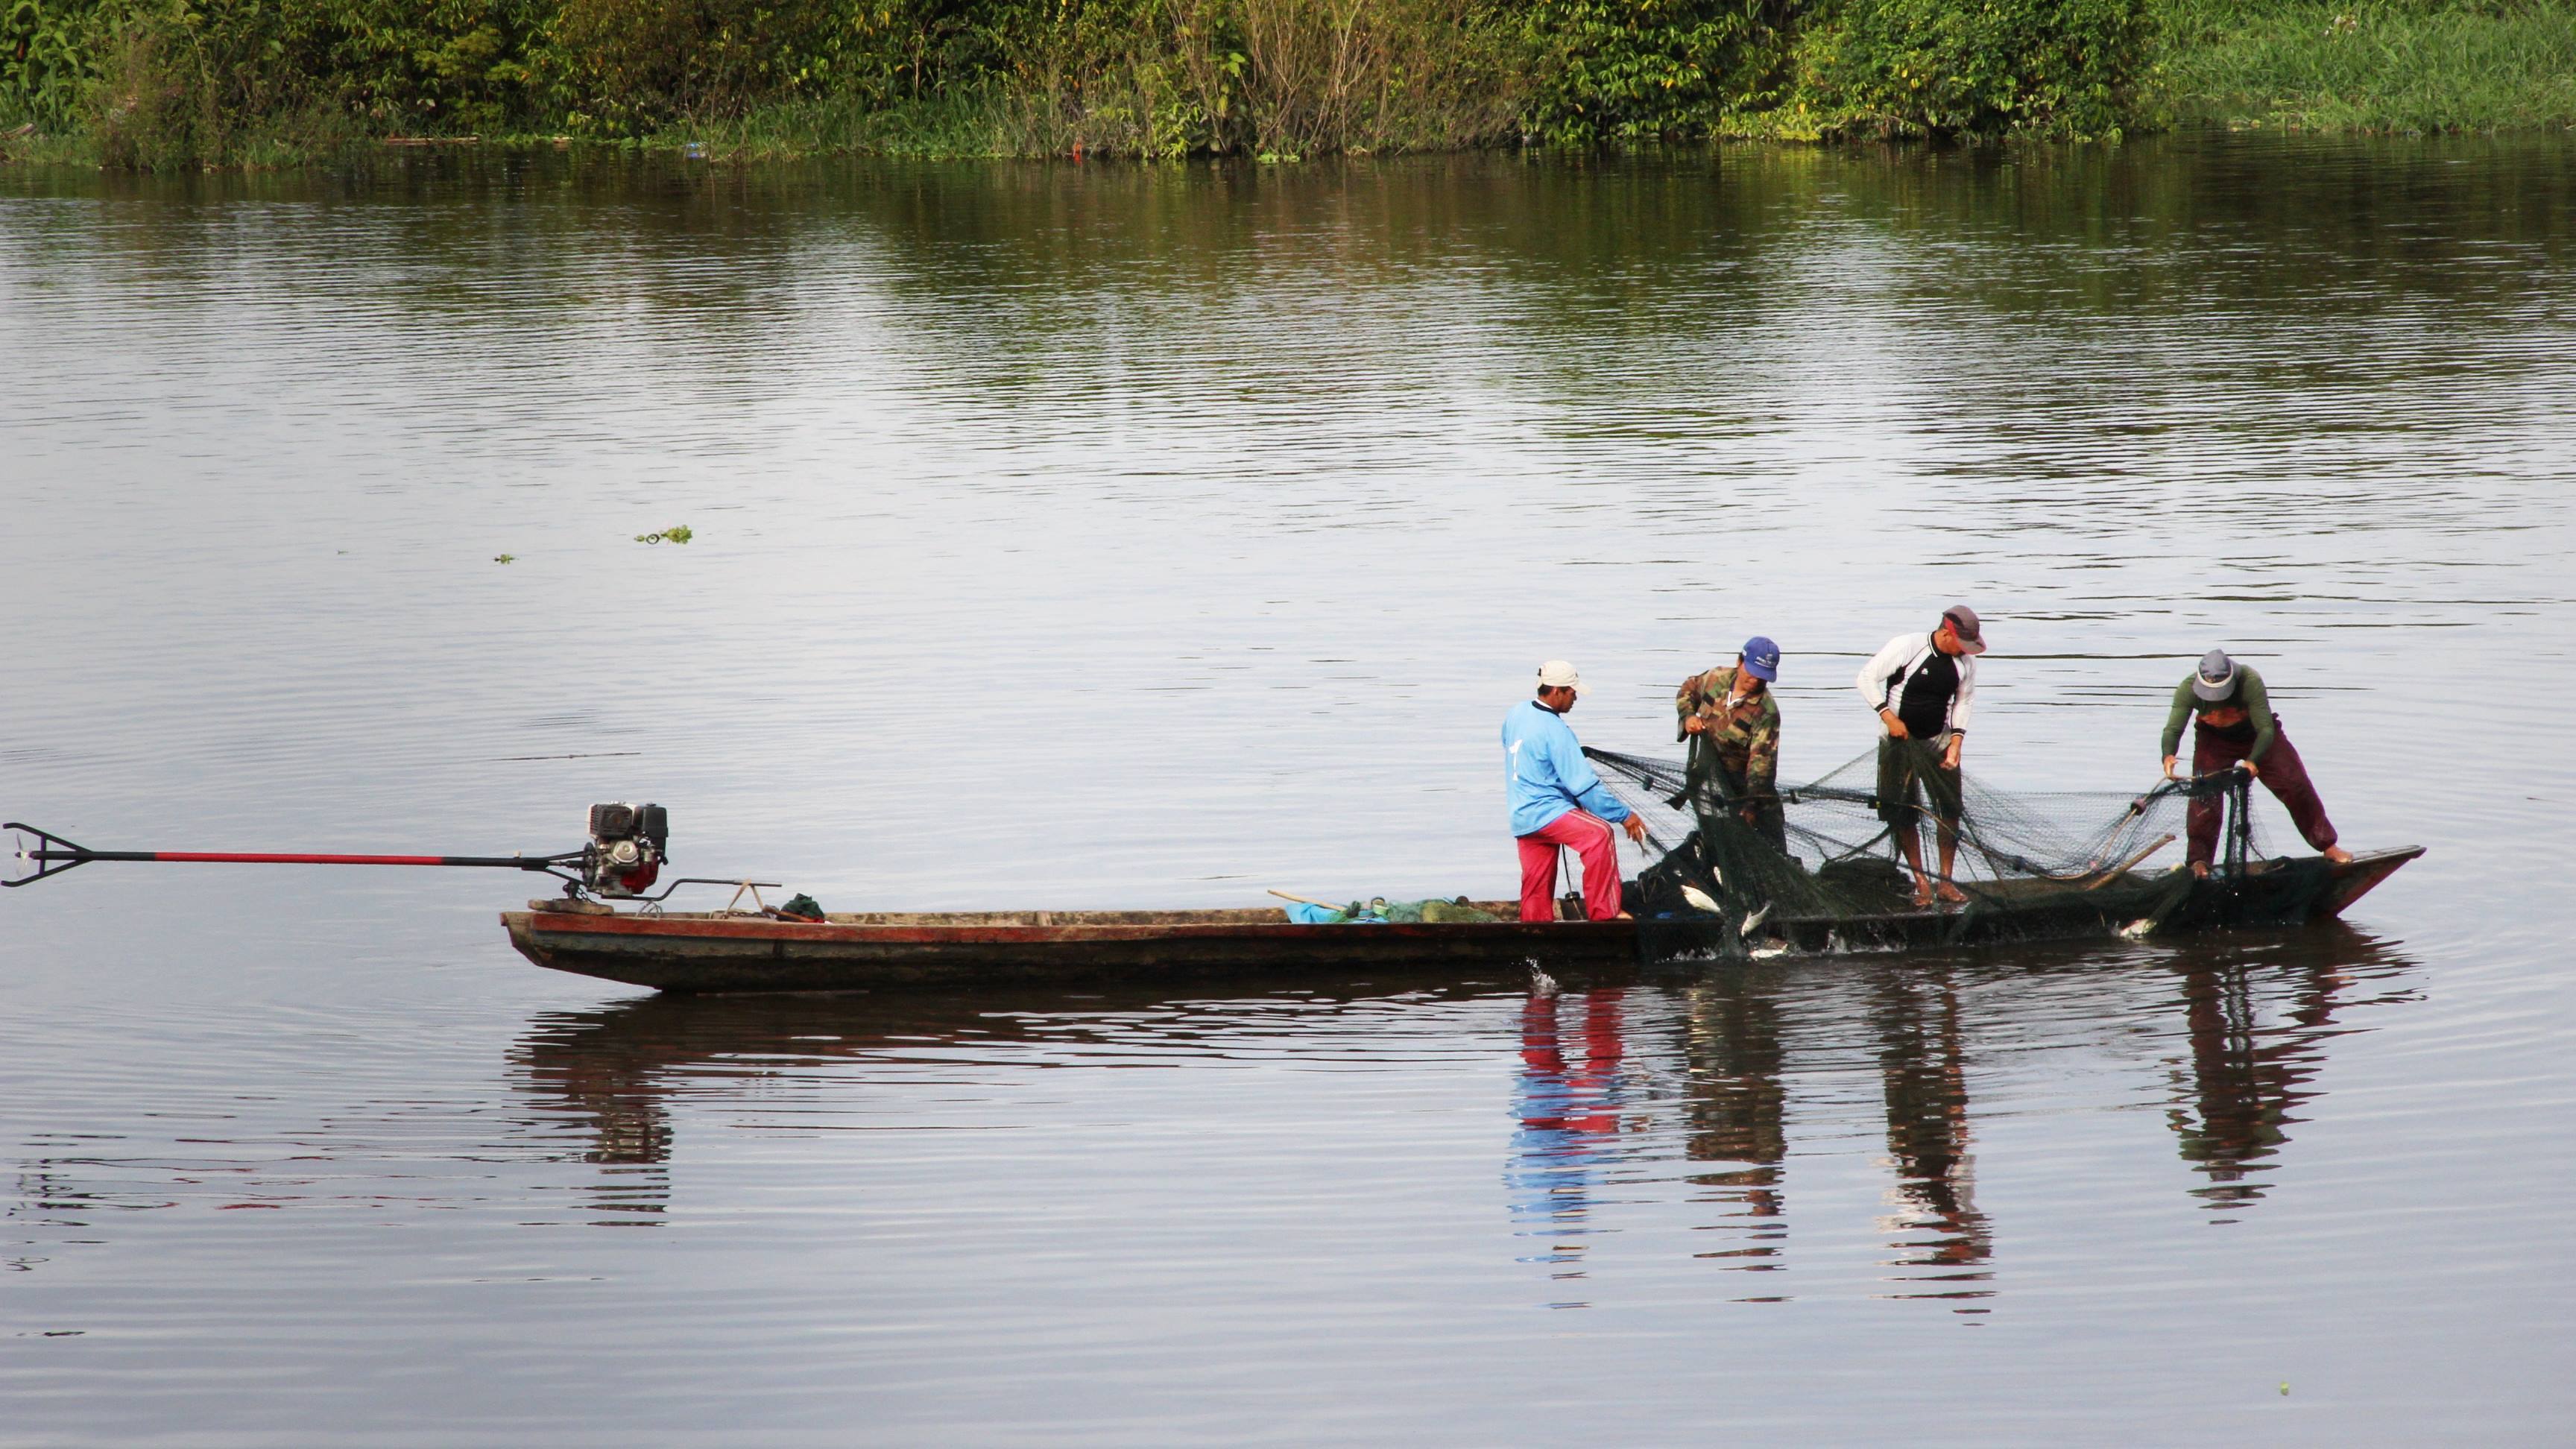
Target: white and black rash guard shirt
(1932, 692)
(1924, 702)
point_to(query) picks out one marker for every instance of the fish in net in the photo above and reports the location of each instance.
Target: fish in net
(1822, 868)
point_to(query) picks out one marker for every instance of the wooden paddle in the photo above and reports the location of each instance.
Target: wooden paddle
(2115, 872)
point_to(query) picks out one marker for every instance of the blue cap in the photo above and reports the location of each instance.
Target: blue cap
(1762, 658)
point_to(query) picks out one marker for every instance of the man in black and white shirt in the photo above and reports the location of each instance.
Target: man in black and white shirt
(1923, 687)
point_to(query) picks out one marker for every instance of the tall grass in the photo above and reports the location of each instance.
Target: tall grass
(2342, 65)
(1264, 78)
(1277, 78)
(970, 123)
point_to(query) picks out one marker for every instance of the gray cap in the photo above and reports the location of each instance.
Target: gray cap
(2217, 677)
(1963, 622)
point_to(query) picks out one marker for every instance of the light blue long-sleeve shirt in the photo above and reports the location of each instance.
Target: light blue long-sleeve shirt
(1545, 773)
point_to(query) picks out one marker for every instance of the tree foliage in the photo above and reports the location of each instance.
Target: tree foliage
(45, 58)
(1976, 67)
(164, 81)
(1644, 69)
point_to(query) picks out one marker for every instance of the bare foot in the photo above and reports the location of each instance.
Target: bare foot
(1952, 894)
(1922, 892)
(1623, 916)
(2338, 855)
(2200, 869)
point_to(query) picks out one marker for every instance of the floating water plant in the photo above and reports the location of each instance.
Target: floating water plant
(676, 533)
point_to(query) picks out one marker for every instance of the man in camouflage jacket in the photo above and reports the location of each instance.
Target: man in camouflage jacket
(1733, 726)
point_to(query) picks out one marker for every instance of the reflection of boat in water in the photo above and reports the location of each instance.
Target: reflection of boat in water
(616, 1071)
(702, 952)
(1709, 1102)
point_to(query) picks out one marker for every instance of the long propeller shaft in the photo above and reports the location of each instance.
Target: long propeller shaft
(247, 857)
(52, 855)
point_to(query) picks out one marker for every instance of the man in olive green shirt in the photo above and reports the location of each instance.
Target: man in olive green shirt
(2236, 727)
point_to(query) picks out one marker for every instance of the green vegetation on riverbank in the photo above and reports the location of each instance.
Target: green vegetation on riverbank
(2332, 65)
(162, 83)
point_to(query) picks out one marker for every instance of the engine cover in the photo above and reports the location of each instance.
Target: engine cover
(628, 844)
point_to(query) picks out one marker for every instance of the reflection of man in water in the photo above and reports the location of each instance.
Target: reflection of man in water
(1569, 1118)
(1923, 1061)
(1737, 1108)
(2246, 1079)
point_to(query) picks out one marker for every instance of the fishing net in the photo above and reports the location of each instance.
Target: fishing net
(1822, 868)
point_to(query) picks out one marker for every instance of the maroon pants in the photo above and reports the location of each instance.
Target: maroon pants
(1593, 842)
(2283, 773)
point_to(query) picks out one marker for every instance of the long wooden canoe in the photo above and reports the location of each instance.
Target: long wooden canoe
(870, 950)
(714, 952)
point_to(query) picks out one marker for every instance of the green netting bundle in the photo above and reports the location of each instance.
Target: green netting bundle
(1819, 866)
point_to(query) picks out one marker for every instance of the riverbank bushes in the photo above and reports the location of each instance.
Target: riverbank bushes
(156, 83)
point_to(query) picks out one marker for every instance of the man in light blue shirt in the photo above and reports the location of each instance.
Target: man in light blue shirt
(1557, 800)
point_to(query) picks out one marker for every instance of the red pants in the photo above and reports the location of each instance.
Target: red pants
(2283, 773)
(1594, 843)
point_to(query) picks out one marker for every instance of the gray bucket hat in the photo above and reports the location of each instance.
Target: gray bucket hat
(2217, 677)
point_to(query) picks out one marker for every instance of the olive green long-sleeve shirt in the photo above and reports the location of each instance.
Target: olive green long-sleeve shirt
(2249, 695)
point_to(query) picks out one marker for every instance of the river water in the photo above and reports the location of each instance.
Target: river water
(1122, 537)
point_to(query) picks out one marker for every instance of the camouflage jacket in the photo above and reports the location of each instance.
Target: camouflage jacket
(1745, 738)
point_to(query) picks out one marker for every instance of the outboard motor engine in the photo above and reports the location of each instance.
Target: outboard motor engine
(628, 844)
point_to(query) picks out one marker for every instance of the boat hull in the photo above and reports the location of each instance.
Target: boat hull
(891, 951)
(712, 953)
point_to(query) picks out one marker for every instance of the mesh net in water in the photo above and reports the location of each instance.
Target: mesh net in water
(1821, 866)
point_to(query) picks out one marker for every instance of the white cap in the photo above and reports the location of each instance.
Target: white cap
(1557, 674)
